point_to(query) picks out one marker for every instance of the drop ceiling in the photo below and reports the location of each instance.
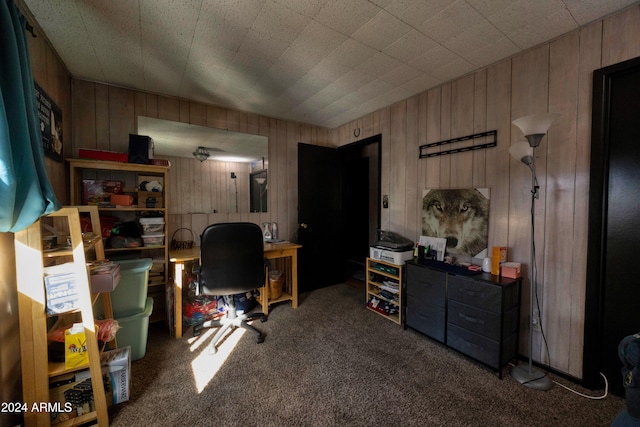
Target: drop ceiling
(321, 62)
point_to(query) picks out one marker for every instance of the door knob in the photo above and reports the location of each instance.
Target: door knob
(303, 225)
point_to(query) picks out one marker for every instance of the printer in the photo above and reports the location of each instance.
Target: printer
(391, 247)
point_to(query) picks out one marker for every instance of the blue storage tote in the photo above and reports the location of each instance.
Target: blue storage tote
(134, 331)
(130, 295)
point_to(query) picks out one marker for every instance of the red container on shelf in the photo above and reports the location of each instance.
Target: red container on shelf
(114, 156)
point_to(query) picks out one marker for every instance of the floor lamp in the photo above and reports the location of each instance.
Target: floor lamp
(534, 129)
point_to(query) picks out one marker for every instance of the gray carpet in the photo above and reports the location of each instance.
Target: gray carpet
(332, 362)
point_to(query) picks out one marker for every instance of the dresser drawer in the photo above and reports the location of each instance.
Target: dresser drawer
(482, 322)
(425, 284)
(426, 318)
(477, 294)
(481, 348)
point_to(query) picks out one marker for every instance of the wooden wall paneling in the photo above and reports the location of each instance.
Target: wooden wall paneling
(198, 223)
(83, 130)
(445, 133)
(102, 117)
(168, 108)
(529, 96)
(421, 176)
(216, 117)
(434, 111)
(185, 111)
(290, 220)
(279, 176)
(152, 105)
(498, 159)
(264, 126)
(385, 130)
(411, 169)
(235, 120)
(37, 57)
(121, 118)
(590, 59)
(479, 162)
(201, 195)
(366, 127)
(561, 157)
(620, 37)
(462, 102)
(397, 162)
(197, 114)
(184, 184)
(253, 124)
(140, 106)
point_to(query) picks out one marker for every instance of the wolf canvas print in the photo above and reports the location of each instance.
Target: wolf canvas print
(460, 216)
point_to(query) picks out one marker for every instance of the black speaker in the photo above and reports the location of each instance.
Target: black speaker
(140, 149)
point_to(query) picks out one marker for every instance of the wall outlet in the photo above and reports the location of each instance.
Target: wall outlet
(535, 321)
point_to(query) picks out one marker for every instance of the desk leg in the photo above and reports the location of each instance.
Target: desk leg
(178, 270)
(294, 279)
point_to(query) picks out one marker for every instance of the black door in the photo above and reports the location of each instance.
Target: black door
(319, 217)
(614, 222)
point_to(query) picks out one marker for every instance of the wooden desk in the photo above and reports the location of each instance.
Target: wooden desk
(280, 251)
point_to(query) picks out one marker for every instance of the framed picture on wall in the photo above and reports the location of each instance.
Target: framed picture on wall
(50, 117)
(461, 216)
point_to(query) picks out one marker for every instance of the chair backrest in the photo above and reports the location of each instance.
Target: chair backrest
(231, 258)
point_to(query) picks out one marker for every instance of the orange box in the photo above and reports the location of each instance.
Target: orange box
(498, 257)
(121, 200)
(511, 270)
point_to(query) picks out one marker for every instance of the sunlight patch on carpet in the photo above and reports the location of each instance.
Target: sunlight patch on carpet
(205, 365)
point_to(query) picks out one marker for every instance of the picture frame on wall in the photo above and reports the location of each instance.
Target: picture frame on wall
(50, 118)
(461, 216)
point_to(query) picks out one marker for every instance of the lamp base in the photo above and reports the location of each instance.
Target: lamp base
(531, 377)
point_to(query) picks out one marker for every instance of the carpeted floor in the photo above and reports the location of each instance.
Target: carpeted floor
(332, 362)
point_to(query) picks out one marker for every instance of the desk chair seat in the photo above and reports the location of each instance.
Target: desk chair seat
(231, 262)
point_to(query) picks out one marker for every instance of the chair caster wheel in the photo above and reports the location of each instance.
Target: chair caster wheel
(260, 339)
(263, 319)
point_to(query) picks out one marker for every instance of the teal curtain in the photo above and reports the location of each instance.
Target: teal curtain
(25, 190)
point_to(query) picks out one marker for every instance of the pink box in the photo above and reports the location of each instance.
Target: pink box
(511, 270)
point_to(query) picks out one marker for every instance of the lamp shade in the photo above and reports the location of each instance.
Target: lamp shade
(522, 151)
(535, 124)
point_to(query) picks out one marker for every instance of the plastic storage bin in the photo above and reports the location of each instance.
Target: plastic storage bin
(134, 330)
(152, 226)
(153, 240)
(131, 294)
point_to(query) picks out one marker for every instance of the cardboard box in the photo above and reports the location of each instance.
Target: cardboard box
(117, 365)
(498, 257)
(121, 200)
(511, 270)
(149, 199)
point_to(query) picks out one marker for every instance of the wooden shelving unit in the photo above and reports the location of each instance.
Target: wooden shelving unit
(129, 174)
(37, 370)
(385, 287)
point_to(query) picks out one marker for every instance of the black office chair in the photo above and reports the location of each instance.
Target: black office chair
(231, 262)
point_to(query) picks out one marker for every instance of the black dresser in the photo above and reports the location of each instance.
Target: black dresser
(475, 314)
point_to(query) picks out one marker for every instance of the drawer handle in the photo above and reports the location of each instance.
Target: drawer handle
(471, 319)
(470, 292)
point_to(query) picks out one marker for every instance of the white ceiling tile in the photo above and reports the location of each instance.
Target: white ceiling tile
(421, 83)
(308, 8)
(409, 46)
(414, 12)
(446, 23)
(457, 68)
(400, 75)
(490, 54)
(270, 57)
(378, 64)
(473, 38)
(381, 30)
(346, 16)
(587, 11)
(433, 58)
(279, 22)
